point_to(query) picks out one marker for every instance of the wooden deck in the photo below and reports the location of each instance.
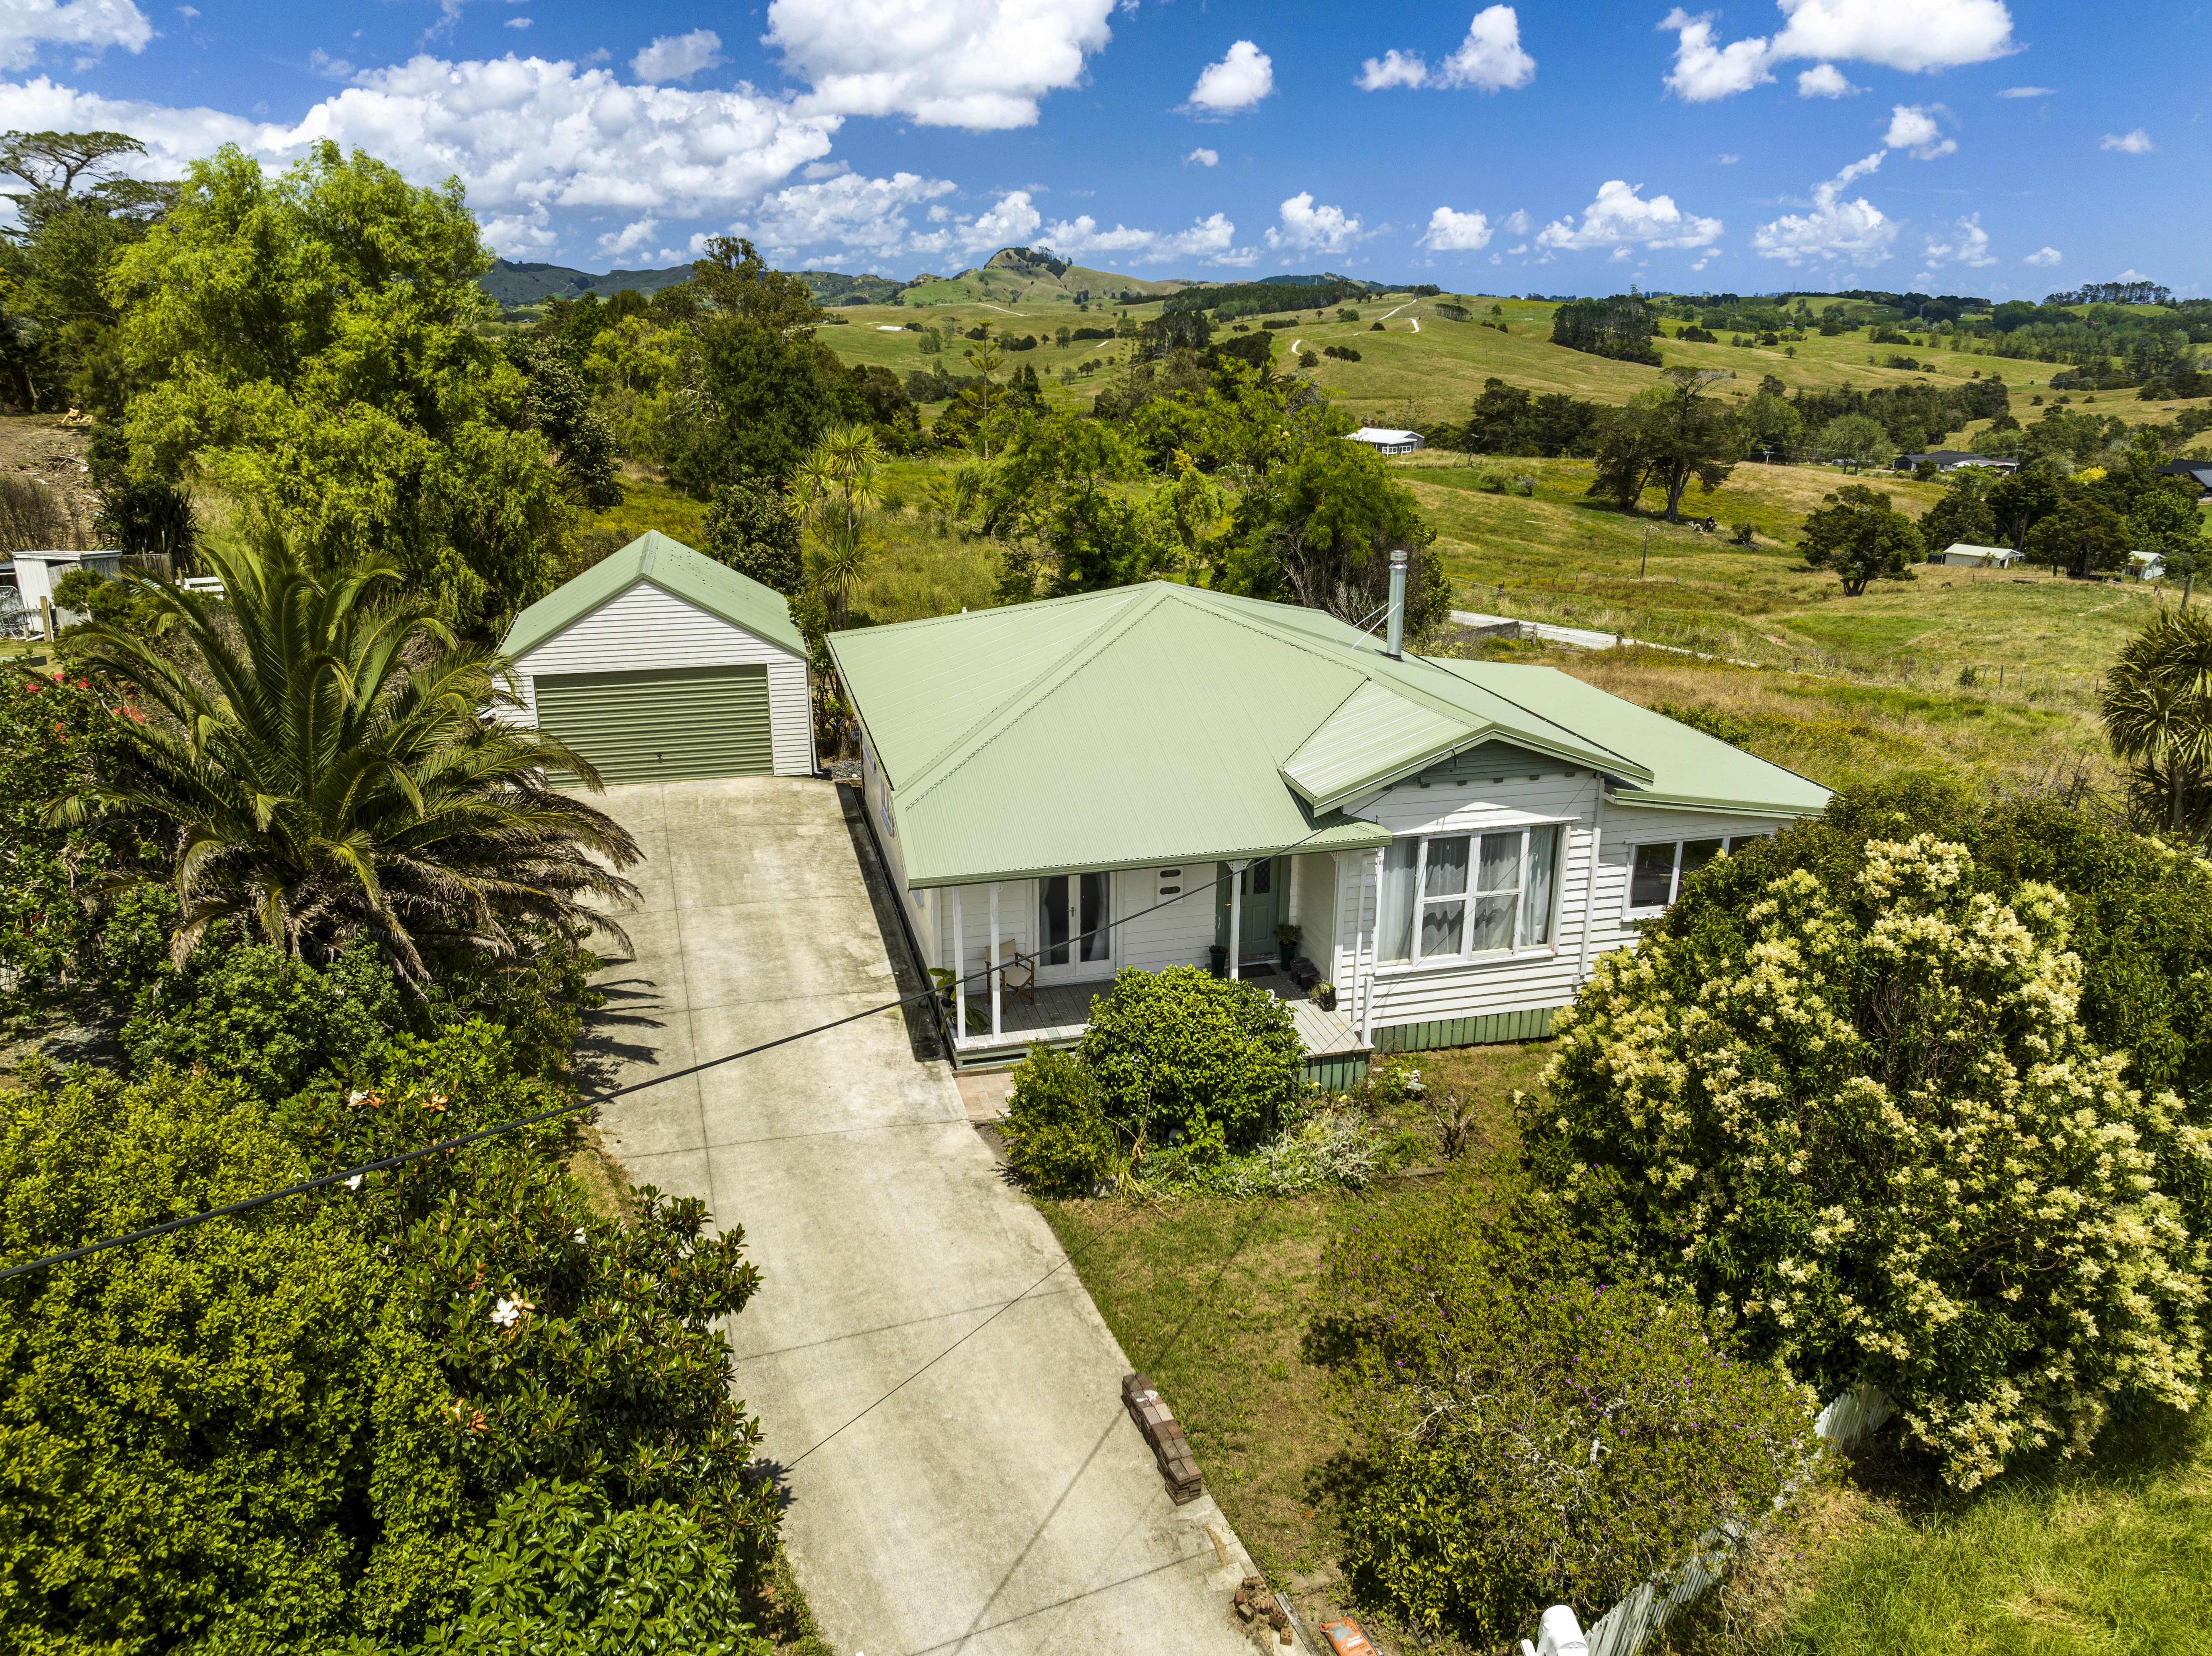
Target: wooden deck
(1062, 1012)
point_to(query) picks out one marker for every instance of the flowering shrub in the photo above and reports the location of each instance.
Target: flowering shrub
(1182, 1050)
(1860, 1115)
(1533, 1434)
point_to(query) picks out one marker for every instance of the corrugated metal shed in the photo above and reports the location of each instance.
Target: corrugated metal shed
(676, 569)
(1161, 724)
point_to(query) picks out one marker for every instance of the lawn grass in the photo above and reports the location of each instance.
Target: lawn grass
(1210, 1296)
(2109, 1553)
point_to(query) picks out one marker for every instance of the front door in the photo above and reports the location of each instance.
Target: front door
(1264, 901)
(1075, 938)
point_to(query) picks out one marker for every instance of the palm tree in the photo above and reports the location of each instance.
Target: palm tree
(832, 493)
(336, 764)
(2157, 709)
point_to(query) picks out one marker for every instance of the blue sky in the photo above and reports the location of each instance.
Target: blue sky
(1969, 146)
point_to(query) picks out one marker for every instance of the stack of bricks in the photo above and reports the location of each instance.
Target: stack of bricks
(1254, 1609)
(1170, 1448)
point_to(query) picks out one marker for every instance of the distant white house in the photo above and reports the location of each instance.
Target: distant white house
(1960, 555)
(2147, 565)
(1385, 442)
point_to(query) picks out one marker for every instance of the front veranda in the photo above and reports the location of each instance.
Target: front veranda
(1033, 953)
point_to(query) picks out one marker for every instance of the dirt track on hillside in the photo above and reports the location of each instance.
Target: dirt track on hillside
(32, 445)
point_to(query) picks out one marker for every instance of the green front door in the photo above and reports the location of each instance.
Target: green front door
(675, 725)
(1264, 899)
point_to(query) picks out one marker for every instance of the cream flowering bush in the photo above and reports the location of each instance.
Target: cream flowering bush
(1859, 1116)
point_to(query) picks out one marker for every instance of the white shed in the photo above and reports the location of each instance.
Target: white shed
(1961, 555)
(658, 664)
(1386, 441)
(33, 576)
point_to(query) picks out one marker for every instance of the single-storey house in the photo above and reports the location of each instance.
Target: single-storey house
(1134, 777)
(1959, 555)
(2197, 471)
(1385, 442)
(2147, 565)
(1950, 459)
(658, 664)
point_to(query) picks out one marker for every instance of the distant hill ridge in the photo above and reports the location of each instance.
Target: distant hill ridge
(1011, 273)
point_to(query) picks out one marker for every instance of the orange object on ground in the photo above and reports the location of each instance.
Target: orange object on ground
(1346, 1638)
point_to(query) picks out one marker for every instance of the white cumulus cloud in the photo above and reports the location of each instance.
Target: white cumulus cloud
(1308, 228)
(2027, 92)
(1204, 157)
(1244, 75)
(1490, 59)
(1621, 217)
(527, 137)
(678, 57)
(2044, 256)
(982, 64)
(89, 26)
(1855, 230)
(616, 243)
(2136, 142)
(1963, 243)
(1213, 239)
(1912, 126)
(1826, 81)
(1453, 232)
(865, 215)
(1933, 34)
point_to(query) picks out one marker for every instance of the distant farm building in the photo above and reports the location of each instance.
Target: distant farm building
(1385, 442)
(1959, 555)
(1950, 459)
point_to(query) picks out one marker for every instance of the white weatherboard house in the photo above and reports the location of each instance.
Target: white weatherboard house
(1127, 778)
(1963, 555)
(658, 664)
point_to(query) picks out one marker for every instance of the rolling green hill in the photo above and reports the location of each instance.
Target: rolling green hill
(513, 284)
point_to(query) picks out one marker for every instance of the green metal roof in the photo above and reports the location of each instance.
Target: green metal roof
(676, 569)
(1687, 769)
(1162, 723)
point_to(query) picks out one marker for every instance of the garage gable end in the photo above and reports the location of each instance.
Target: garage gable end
(677, 570)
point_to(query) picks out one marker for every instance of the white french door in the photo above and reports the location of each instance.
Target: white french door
(1074, 935)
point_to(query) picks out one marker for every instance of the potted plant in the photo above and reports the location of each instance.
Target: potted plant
(1287, 936)
(1217, 959)
(1324, 996)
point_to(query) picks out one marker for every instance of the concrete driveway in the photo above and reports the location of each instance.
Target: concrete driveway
(937, 1391)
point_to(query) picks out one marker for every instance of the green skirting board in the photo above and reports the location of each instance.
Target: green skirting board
(1488, 1030)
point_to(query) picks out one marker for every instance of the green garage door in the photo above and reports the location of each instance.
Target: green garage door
(670, 726)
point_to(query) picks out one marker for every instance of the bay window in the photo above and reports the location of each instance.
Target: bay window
(1658, 868)
(1448, 896)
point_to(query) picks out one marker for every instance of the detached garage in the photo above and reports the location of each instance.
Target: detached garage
(658, 664)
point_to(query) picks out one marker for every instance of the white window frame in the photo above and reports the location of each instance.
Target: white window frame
(1517, 949)
(1730, 844)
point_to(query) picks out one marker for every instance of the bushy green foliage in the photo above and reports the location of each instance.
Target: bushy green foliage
(1532, 1433)
(559, 1573)
(299, 1418)
(266, 1020)
(55, 906)
(1056, 1132)
(1846, 1092)
(751, 529)
(1181, 1050)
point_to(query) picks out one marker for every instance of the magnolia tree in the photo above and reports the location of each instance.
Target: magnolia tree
(1861, 1118)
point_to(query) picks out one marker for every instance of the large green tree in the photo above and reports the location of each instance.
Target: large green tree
(1667, 436)
(1963, 514)
(310, 345)
(1318, 530)
(336, 767)
(1861, 537)
(77, 211)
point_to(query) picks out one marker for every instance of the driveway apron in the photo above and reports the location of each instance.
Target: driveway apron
(939, 1396)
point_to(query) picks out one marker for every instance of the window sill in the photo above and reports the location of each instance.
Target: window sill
(1466, 962)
